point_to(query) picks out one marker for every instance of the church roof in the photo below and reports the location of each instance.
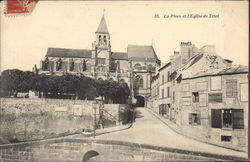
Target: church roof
(102, 28)
(138, 51)
(119, 56)
(68, 53)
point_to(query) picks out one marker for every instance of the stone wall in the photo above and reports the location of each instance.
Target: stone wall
(74, 149)
(119, 113)
(24, 119)
(31, 119)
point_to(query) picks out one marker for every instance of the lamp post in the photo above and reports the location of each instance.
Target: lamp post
(94, 106)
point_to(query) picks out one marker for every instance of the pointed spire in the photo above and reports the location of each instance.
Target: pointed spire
(102, 28)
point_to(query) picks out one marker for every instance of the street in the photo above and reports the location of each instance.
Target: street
(147, 129)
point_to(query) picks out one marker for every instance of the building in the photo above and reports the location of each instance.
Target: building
(213, 100)
(154, 97)
(209, 96)
(165, 91)
(135, 66)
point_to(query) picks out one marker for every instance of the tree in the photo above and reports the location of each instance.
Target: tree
(15, 81)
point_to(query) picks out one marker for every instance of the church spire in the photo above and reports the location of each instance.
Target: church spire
(102, 28)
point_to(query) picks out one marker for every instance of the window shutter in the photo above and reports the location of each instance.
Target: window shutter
(216, 118)
(229, 88)
(238, 119)
(215, 97)
(235, 88)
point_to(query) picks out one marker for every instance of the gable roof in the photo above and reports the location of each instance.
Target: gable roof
(164, 66)
(119, 56)
(102, 28)
(208, 64)
(68, 53)
(139, 51)
(235, 69)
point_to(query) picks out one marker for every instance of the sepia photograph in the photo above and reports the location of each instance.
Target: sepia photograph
(123, 81)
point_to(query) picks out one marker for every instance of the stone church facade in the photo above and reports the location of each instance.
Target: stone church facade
(135, 67)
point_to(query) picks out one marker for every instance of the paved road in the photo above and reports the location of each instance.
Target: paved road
(147, 129)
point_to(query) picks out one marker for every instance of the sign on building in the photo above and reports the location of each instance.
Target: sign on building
(61, 108)
(216, 83)
(77, 110)
(203, 99)
(244, 92)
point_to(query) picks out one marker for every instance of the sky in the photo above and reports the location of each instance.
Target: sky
(72, 24)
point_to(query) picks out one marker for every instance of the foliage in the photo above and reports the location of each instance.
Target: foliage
(69, 86)
(14, 81)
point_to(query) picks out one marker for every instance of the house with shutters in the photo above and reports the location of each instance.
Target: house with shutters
(212, 98)
(135, 66)
(207, 97)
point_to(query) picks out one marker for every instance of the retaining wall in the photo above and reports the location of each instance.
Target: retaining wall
(74, 149)
(24, 119)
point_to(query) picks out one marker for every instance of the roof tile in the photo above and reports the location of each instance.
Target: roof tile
(68, 53)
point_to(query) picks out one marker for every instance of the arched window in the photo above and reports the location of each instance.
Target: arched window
(151, 67)
(122, 80)
(100, 37)
(100, 79)
(138, 81)
(104, 39)
(137, 66)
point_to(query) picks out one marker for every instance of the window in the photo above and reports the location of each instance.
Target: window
(238, 119)
(100, 37)
(168, 76)
(227, 118)
(162, 78)
(168, 91)
(139, 81)
(162, 93)
(194, 119)
(215, 97)
(137, 66)
(104, 39)
(173, 97)
(216, 118)
(231, 88)
(195, 96)
(226, 138)
(162, 109)
(101, 61)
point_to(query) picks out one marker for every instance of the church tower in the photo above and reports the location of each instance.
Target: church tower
(102, 47)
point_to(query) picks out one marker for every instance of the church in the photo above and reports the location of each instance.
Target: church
(136, 66)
